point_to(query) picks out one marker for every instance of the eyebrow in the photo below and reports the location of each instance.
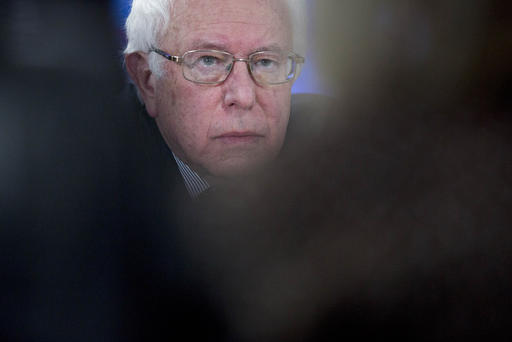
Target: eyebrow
(271, 47)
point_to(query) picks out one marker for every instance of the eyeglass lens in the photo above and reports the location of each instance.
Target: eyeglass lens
(209, 66)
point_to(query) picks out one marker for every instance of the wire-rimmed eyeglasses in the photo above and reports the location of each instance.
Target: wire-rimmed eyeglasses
(213, 67)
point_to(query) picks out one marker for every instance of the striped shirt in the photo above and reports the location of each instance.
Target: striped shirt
(193, 182)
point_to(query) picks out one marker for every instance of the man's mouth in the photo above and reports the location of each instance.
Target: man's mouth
(238, 137)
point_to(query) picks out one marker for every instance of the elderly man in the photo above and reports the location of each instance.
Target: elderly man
(216, 76)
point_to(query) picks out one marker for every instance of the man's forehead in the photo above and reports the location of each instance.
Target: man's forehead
(226, 7)
(218, 22)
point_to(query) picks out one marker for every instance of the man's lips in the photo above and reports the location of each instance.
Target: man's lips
(237, 137)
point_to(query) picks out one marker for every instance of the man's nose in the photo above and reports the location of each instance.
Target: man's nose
(239, 87)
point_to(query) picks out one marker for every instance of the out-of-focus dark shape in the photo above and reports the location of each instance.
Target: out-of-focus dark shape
(395, 229)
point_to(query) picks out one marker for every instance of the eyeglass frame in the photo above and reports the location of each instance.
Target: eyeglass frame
(179, 60)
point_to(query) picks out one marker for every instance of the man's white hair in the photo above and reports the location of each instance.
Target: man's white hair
(149, 20)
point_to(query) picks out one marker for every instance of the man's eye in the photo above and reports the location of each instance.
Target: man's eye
(208, 60)
(266, 63)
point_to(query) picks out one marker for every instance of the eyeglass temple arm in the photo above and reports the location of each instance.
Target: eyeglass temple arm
(164, 54)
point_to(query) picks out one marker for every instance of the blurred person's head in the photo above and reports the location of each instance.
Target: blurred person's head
(221, 115)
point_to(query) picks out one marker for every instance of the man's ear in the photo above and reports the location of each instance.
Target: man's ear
(138, 68)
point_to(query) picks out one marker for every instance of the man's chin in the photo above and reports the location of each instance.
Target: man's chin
(236, 168)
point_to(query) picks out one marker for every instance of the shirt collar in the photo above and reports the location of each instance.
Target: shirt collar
(193, 182)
